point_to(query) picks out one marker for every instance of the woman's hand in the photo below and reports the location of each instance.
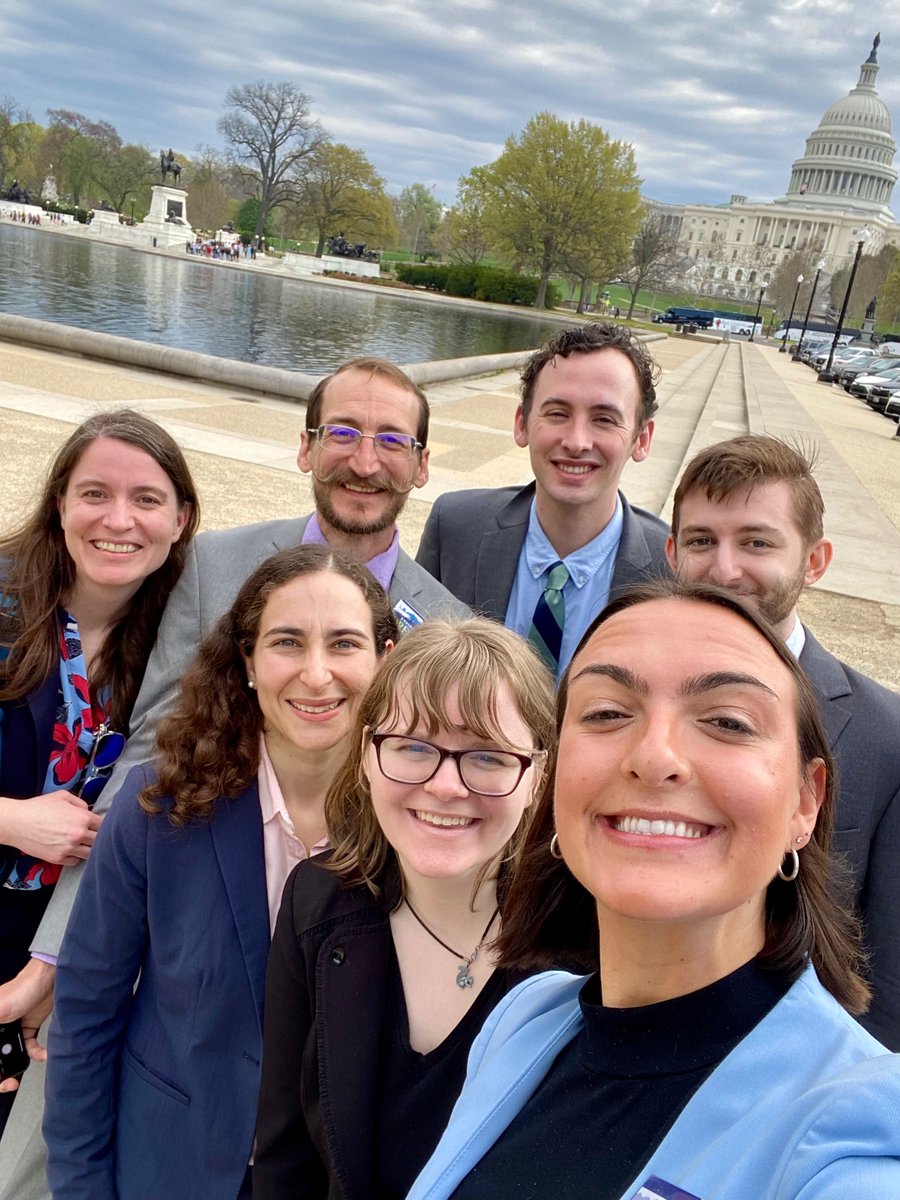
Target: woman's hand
(58, 828)
(28, 997)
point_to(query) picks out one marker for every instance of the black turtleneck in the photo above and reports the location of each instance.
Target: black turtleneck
(616, 1089)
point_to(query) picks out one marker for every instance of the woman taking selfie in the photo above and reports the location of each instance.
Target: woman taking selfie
(83, 583)
(382, 967)
(154, 1053)
(682, 854)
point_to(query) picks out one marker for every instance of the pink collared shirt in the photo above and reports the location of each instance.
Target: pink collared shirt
(283, 849)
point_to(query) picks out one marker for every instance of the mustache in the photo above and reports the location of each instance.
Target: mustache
(341, 475)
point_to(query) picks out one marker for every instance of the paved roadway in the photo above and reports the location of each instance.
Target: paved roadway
(242, 450)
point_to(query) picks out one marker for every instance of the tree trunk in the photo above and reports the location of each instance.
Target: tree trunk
(320, 245)
(541, 297)
(634, 295)
(585, 294)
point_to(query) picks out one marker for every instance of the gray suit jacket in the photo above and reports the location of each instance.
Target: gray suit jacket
(472, 541)
(862, 721)
(217, 565)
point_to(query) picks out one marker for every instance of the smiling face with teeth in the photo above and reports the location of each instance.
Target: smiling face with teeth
(582, 428)
(312, 661)
(358, 494)
(120, 518)
(679, 788)
(440, 829)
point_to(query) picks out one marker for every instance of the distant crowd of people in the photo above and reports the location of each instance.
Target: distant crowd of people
(557, 861)
(218, 249)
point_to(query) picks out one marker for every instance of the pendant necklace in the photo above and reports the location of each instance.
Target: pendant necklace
(463, 976)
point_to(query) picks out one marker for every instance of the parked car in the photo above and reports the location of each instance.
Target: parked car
(862, 362)
(892, 409)
(881, 367)
(862, 385)
(879, 396)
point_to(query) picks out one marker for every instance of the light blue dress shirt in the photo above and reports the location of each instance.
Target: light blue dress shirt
(587, 590)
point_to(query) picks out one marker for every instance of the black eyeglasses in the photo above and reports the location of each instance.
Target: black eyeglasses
(344, 439)
(105, 753)
(486, 771)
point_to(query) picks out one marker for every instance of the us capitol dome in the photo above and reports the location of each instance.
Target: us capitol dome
(843, 181)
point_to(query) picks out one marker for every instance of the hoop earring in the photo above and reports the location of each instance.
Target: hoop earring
(795, 867)
(555, 851)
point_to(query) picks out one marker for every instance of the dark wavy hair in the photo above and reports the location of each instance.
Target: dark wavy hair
(208, 747)
(477, 657)
(40, 573)
(591, 338)
(551, 919)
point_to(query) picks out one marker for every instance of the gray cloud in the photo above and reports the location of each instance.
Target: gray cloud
(715, 98)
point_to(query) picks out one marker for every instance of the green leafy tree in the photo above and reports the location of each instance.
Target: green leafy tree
(889, 305)
(343, 193)
(418, 216)
(128, 171)
(247, 221)
(272, 136)
(82, 147)
(463, 234)
(872, 274)
(14, 123)
(549, 193)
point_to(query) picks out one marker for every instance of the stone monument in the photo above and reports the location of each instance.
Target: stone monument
(167, 219)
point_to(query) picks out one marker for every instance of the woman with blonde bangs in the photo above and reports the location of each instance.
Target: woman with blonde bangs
(382, 967)
(680, 854)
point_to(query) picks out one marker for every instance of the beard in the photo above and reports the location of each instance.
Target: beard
(357, 527)
(777, 604)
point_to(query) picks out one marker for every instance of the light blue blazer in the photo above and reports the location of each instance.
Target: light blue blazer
(806, 1107)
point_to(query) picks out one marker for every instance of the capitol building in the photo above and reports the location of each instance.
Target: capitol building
(842, 182)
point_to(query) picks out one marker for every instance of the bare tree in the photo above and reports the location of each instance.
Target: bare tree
(653, 259)
(272, 135)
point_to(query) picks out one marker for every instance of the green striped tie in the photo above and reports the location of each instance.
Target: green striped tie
(549, 618)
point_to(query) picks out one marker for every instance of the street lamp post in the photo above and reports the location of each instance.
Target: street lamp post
(826, 375)
(820, 267)
(762, 292)
(787, 329)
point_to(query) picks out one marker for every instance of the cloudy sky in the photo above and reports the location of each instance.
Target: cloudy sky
(716, 97)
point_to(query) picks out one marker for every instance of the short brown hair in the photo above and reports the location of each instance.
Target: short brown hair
(208, 747)
(477, 655)
(591, 338)
(551, 919)
(743, 462)
(374, 366)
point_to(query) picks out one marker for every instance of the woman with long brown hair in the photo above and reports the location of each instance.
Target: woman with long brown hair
(680, 854)
(83, 583)
(382, 966)
(153, 1072)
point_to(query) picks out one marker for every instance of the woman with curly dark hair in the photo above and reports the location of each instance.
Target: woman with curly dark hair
(155, 1049)
(83, 583)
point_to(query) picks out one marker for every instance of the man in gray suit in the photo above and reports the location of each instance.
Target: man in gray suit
(365, 445)
(588, 400)
(748, 517)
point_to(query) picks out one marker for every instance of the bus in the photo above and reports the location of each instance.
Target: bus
(703, 317)
(720, 320)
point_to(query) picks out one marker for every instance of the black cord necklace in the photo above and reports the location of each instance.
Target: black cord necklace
(463, 976)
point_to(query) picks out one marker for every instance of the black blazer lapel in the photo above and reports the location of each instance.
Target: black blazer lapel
(237, 836)
(351, 983)
(831, 685)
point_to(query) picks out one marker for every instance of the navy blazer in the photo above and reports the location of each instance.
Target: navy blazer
(26, 735)
(152, 1091)
(472, 541)
(862, 721)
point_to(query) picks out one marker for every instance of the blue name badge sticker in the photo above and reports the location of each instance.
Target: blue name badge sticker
(655, 1188)
(407, 617)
